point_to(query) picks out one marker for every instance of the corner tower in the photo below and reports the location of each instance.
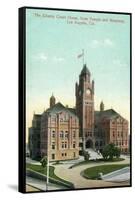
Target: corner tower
(85, 107)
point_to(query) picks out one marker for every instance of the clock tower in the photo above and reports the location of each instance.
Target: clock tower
(85, 107)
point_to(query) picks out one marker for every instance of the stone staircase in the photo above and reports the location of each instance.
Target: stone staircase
(93, 154)
(118, 175)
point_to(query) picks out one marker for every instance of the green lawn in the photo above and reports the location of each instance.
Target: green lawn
(40, 169)
(97, 160)
(93, 172)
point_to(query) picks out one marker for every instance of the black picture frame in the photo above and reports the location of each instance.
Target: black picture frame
(22, 96)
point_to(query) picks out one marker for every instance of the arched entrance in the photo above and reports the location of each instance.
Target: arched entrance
(89, 144)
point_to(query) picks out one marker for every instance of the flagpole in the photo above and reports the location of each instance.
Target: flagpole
(81, 56)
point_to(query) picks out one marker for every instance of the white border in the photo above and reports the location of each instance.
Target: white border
(9, 102)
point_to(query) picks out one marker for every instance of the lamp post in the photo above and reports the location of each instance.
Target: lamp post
(47, 181)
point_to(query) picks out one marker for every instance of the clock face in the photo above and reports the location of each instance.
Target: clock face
(88, 91)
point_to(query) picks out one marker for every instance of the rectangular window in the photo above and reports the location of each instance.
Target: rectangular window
(62, 145)
(53, 135)
(118, 134)
(61, 134)
(65, 145)
(113, 133)
(53, 156)
(73, 145)
(53, 145)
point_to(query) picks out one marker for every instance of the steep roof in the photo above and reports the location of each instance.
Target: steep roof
(85, 70)
(59, 107)
(73, 110)
(108, 114)
(56, 108)
(52, 97)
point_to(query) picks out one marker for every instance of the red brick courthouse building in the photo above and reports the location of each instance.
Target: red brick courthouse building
(62, 132)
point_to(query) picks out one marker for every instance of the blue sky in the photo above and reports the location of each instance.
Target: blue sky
(52, 65)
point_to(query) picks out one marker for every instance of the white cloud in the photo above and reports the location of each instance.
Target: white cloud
(102, 43)
(58, 59)
(119, 63)
(108, 42)
(95, 43)
(41, 56)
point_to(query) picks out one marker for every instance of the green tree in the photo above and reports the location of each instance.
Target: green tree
(117, 152)
(43, 161)
(110, 151)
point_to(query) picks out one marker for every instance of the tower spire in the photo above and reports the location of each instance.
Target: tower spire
(102, 106)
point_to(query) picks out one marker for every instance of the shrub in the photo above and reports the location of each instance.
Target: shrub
(43, 161)
(110, 151)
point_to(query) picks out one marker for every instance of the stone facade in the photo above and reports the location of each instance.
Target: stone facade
(110, 127)
(59, 133)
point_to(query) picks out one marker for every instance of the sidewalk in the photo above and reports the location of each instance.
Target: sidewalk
(73, 175)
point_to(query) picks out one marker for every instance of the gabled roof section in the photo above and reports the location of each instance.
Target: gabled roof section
(59, 107)
(73, 110)
(56, 108)
(108, 114)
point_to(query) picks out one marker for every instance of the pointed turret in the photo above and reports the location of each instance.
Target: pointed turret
(85, 74)
(52, 101)
(85, 70)
(102, 106)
